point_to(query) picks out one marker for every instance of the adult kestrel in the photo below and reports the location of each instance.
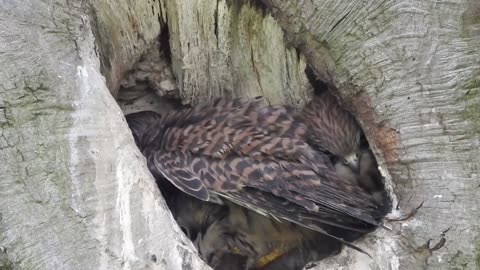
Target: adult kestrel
(229, 236)
(258, 157)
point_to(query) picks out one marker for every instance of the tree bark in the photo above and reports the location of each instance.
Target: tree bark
(75, 192)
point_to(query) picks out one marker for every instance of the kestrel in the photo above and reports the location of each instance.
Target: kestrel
(229, 236)
(258, 157)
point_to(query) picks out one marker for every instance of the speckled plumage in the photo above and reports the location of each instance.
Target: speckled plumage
(257, 156)
(334, 130)
(229, 236)
(331, 128)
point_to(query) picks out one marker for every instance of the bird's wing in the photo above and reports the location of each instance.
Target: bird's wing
(328, 218)
(173, 166)
(306, 193)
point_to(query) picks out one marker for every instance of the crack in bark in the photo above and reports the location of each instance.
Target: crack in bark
(215, 21)
(439, 244)
(255, 69)
(339, 21)
(408, 215)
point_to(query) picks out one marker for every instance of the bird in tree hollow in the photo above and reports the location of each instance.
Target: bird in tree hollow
(334, 131)
(259, 157)
(229, 236)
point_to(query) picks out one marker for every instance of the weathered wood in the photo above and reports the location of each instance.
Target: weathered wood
(123, 30)
(74, 191)
(230, 48)
(410, 73)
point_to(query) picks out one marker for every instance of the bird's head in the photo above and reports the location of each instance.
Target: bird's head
(352, 161)
(332, 129)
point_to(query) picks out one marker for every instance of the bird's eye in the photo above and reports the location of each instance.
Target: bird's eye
(345, 161)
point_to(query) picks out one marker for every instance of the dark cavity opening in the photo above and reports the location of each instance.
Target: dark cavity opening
(223, 232)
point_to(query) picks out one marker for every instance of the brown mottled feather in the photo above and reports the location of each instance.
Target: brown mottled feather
(229, 236)
(256, 156)
(331, 128)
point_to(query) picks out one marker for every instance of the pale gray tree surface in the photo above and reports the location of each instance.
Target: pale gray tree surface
(75, 192)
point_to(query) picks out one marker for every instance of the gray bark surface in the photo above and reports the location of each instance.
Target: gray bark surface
(75, 192)
(410, 73)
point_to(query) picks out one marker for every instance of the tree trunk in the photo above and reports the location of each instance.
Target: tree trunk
(76, 194)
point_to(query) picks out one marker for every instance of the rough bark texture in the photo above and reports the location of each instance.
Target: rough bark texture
(409, 71)
(74, 191)
(230, 48)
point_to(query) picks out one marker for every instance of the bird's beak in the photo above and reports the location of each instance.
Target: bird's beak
(353, 162)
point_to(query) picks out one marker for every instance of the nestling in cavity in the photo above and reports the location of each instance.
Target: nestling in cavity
(221, 230)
